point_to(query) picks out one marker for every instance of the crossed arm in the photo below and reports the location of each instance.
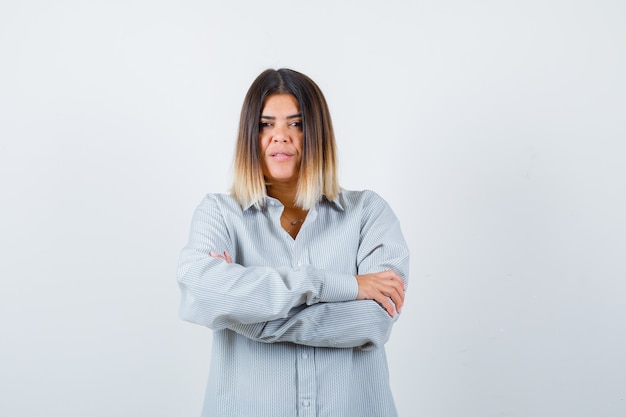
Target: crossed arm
(303, 305)
(334, 324)
(386, 288)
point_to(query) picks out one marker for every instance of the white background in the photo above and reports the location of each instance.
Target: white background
(495, 129)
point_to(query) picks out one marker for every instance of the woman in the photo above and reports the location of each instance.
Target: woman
(300, 280)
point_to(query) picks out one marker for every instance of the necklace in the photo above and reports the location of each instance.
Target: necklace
(295, 225)
(293, 222)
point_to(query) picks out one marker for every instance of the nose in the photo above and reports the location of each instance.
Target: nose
(280, 138)
(279, 135)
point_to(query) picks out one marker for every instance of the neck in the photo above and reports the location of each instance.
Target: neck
(286, 194)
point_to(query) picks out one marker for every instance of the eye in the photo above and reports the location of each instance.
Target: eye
(263, 125)
(297, 123)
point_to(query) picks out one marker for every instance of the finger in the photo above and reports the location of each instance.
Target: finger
(398, 299)
(397, 278)
(401, 293)
(384, 303)
(394, 287)
(397, 296)
(214, 254)
(402, 283)
(228, 258)
(391, 276)
(388, 306)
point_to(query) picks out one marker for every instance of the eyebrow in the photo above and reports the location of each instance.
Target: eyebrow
(294, 116)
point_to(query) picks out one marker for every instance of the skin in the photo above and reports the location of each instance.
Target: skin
(280, 146)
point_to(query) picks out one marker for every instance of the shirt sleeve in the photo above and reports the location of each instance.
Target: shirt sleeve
(351, 324)
(357, 323)
(220, 295)
(382, 244)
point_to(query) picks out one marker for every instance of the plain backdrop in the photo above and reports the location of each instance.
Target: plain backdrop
(495, 129)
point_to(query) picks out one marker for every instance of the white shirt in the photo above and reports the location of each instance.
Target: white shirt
(290, 339)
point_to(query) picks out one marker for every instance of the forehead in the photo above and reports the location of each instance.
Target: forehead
(279, 103)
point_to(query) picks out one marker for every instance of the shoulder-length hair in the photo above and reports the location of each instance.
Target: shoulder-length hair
(318, 168)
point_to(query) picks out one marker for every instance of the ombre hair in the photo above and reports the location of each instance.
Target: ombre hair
(318, 168)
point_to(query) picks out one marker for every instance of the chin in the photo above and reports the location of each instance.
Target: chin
(282, 176)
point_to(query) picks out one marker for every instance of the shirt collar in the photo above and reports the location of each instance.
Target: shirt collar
(337, 202)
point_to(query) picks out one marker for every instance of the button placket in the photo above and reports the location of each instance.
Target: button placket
(306, 381)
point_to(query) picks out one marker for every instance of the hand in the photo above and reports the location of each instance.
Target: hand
(225, 256)
(380, 287)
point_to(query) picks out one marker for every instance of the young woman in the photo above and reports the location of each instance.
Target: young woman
(300, 280)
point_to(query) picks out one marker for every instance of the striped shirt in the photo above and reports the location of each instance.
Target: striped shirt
(289, 337)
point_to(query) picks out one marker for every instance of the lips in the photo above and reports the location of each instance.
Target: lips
(281, 153)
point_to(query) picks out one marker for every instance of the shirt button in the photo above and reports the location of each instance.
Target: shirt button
(306, 403)
(305, 355)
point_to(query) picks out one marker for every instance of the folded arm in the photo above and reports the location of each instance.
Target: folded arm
(350, 324)
(219, 294)
(358, 323)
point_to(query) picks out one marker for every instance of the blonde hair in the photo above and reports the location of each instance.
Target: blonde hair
(318, 169)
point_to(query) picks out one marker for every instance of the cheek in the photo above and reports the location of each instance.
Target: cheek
(262, 143)
(300, 143)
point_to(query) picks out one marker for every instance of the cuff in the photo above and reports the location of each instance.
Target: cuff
(338, 287)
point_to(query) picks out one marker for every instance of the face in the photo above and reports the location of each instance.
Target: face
(281, 139)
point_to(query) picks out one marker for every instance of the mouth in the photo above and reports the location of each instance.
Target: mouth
(281, 156)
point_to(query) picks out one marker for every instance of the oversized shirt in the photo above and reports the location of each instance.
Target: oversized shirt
(289, 337)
